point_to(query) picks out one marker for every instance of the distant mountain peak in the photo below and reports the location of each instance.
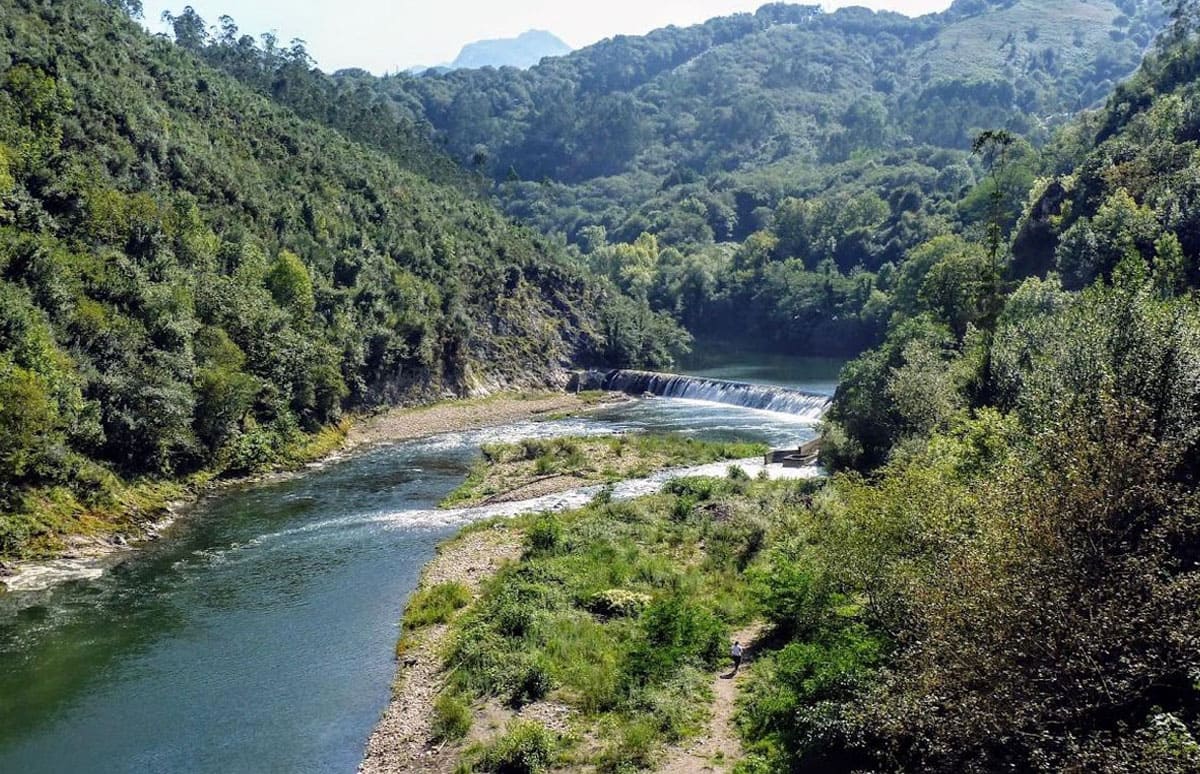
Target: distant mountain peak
(525, 50)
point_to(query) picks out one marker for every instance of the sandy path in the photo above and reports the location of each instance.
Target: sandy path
(401, 740)
(720, 748)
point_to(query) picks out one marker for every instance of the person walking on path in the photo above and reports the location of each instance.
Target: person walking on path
(736, 653)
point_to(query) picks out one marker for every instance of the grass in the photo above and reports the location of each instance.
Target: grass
(507, 467)
(435, 605)
(451, 718)
(619, 611)
(525, 747)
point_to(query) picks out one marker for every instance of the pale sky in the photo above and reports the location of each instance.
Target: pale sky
(385, 36)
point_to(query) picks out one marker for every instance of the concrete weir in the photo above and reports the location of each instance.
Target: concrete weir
(764, 397)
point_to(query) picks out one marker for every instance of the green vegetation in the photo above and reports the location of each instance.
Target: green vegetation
(526, 748)
(435, 605)
(209, 250)
(1011, 586)
(507, 467)
(451, 718)
(1001, 574)
(619, 611)
(762, 173)
(194, 279)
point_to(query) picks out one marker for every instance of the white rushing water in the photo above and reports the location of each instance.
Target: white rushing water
(782, 400)
(559, 501)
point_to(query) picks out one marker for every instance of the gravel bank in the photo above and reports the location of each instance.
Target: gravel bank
(406, 424)
(401, 742)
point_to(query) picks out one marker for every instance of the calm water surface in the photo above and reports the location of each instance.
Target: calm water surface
(256, 635)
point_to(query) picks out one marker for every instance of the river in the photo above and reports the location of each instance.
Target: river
(256, 634)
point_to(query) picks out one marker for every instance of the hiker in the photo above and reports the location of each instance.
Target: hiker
(736, 653)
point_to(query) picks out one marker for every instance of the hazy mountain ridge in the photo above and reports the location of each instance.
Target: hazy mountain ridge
(522, 52)
(525, 50)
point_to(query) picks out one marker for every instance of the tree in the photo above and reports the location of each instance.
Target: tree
(190, 30)
(290, 284)
(993, 146)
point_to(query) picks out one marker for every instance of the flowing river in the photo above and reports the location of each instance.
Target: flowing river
(256, 634)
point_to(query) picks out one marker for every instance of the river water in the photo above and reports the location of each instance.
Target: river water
(256, 635)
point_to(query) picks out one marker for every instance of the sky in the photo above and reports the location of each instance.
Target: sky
(390, 35)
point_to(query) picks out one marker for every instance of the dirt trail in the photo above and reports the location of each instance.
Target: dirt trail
(719, 748)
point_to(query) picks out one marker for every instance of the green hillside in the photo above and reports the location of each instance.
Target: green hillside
(192, 278)
(785, 162)
(760, 175)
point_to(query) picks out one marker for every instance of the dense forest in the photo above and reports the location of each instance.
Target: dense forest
(193, 278)
(764, 173)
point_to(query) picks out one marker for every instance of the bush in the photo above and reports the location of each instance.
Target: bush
(451, 718)
(633, 750)
(532, 683)
(436, 604)
(800, 702)
(617, 602)
(545, 535)
(545, 464)
(525, 748)
(674, 632)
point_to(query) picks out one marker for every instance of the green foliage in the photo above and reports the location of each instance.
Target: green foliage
(675, 631)
(609, 622)
(193, 277)
(451, 718)
(545, 535)
(797, 707)
(435, 605)
(525, 748)
(758, 170)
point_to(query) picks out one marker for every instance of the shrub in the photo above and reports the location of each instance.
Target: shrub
(512, 617)
(525, 748)
(532, 683)
(674, 632)
(697, 488)
(545, 464)
(633, 750)
(800, 702)
(617, 602)
(435, 605)
(545, 535)
(451, 718)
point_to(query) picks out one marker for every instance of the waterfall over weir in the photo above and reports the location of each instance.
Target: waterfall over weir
(783, 400)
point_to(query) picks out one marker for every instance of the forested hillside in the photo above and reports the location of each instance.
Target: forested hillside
(194, 278)
(783, 162)
(1015, 587)
(1001, 574)
(759, 175)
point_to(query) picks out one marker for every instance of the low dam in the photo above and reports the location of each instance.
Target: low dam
(783, 400)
